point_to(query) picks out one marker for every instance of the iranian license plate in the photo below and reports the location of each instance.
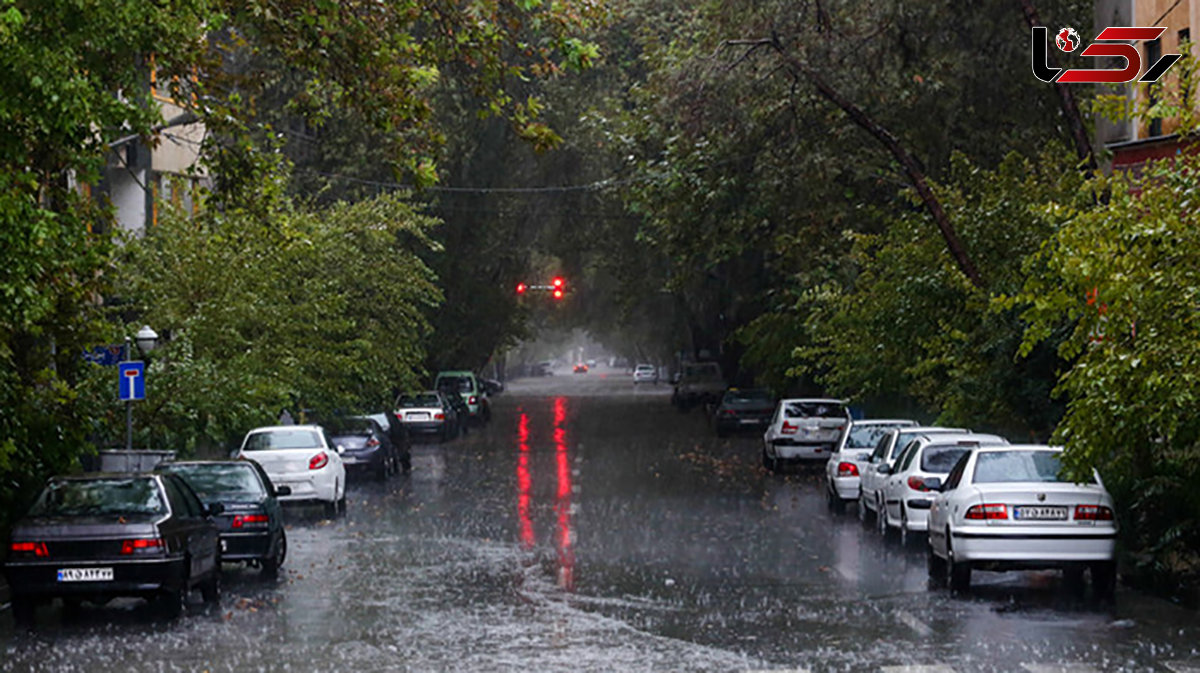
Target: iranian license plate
(85, 574)
(1040, 513)
(420, 416)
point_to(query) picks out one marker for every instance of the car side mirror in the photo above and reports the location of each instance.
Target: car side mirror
(283, 490)
(213, 509)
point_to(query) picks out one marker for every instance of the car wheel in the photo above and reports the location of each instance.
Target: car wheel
(172, 600)
(836, 504)
(863, 513)
(330, 508)
(406, 464)
(384, 469)
(960, 572)
(881, 520)
(341, 503)
(1104, 579)
(771, 464)
(935, 565)
(211, 589)
(907, 537)
(23, 610)
(270, 566)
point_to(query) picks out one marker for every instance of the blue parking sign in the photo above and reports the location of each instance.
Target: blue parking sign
(131, 383)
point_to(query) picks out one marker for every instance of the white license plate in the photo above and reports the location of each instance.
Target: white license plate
(422, 416)
(1030, 513)
(349, 460)
(85, 574)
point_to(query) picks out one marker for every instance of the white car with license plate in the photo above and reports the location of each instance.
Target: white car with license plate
(803, 429)
(850, 458)
(301, 457)
(889, 448)
(917, 476)
(1008, 508)
(645, 374)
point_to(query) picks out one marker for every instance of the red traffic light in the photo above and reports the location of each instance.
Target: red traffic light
(521, 287)
(557, 282)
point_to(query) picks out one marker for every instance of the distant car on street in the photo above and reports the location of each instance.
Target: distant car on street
(803, 429)
(303, 458)
(581, 368)
(544, 368)
(743, 409)
(591, 364)
(365, 446)
(889, 448)
(852, 456)
(493, 386)
(429, 412)
(250, 524)
(401, 443)
(1004, 508)
(99, 536)
(645, 374)
(470, 388)
(917, 477)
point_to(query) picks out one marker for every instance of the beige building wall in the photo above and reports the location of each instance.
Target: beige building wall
(1178, 17)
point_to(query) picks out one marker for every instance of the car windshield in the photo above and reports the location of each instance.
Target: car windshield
(460, 384)
(422, 400)
(345, 427)
(867, 436)
(645, 368)
(99, 497)
(815, 410)
(941, 459)
(217, 481)
(747, 396)
(283, 439)
(1019, 466)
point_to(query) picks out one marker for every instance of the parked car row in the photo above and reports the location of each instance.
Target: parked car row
(159, 535)
(975, 501)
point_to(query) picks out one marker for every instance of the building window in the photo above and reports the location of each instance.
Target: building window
(1153, 53)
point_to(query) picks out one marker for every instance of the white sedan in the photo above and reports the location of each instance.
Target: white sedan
(645, 374)
(873, 474)
(301, 457)
(851, 456)
(1007, 508)
(917, 477)
(804, 429)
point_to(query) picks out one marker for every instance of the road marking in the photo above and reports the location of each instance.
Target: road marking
(911, 621)
(1183, 666)
(1060, 668)
(777, 670)
(917, 668)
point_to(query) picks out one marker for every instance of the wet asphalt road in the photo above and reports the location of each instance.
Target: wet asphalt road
(591, 527)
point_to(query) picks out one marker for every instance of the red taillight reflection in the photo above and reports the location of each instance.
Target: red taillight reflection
(918, 484)
(318, 461)
(439, 417)
(472, 400)
(35, 548)
(372, 442)
(989, 511)
(789, 429)
(1093, 513)
(250, 519)
(140, 545)
(847, 469)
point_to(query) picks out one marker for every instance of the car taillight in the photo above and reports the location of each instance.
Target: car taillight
(990, 511)
(1093, 513)
(318, 461)
(918, 484)
(374, 441)
(146, 545)
(847, 469)
(25, 548)
(789, 429)
(251, 520)
(471, 399)
(439, 417)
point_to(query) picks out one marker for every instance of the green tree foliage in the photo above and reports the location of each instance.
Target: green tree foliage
(307, 309)
(1124, 278)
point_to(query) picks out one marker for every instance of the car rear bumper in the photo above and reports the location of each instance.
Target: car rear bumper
(786, 449)
(307, 487)
(245, 546)
(847, 487)
(424, 426)
(140, 577)
(1027, 547)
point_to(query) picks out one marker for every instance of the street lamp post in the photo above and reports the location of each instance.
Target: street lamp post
(146, 339)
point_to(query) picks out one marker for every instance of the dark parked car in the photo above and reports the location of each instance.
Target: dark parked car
(493, 386)
(462, 413)
(99, 536)
(396, 431)
(743, 409)
(251, 525)
(365, 447)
